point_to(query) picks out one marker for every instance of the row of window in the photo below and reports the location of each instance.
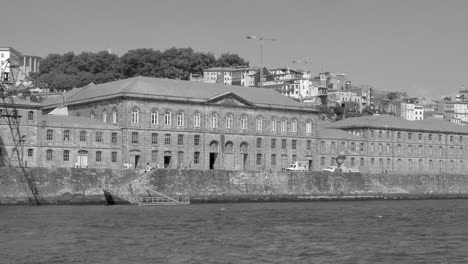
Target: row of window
(14, 112)
(381, 148)
(214, 121)
(410, 162)
(66, 155)
(410, 136)
(66, 136)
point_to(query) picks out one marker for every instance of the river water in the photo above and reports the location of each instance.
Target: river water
(429, 231)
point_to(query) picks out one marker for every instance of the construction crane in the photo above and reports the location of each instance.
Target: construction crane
(8, 90)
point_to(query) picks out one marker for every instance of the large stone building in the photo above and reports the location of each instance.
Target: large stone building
(394, 145)
(180, 124)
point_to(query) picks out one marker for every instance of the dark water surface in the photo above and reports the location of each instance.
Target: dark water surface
(430, 231)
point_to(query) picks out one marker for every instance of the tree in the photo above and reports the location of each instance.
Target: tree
(140, 62)
(69, 70)
(368, 110)
(229, 60)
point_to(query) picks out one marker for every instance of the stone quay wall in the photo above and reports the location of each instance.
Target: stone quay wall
(84, 186)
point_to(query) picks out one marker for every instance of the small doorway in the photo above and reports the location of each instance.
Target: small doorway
(244, 161)
(167, 159)
(213, 157)
(310, 165)
(137, 159)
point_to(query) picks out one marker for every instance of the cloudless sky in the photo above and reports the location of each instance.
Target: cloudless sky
(418, 46)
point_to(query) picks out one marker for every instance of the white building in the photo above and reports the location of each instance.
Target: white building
(461, 110)
(26, 64)
(411, 111)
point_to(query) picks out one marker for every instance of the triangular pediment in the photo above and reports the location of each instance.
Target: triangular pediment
(229, 99)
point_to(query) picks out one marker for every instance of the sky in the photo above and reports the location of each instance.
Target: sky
(417, 46)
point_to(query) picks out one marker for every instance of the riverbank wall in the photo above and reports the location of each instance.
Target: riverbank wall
(84, 186)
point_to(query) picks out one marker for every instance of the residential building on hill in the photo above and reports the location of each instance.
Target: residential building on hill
(26, 64)
(228, 75)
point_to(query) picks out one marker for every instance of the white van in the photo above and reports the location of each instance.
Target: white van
(297, 166)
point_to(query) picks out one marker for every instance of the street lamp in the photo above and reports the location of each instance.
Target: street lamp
(261, 39)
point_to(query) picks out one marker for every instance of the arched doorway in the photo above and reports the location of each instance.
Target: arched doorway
(229, 156)
(213, 154)
(82, 159)
(244, 150)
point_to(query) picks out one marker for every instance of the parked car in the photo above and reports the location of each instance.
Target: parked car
(343, 169)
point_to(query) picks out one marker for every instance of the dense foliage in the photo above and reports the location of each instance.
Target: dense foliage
(69, 70)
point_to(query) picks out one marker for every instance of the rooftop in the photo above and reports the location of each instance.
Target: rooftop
(397, 123)
(176, 90)
(76, 121)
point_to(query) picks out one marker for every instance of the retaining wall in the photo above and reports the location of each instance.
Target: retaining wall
(83, 186)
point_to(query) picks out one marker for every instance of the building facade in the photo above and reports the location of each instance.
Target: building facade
(200, 126)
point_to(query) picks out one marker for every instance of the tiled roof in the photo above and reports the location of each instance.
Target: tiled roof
(325, 132)
(397, 123)
(76, 121)
(155, 88)
(21, 102)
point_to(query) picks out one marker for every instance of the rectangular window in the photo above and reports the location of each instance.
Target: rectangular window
(114, 138)
(259, 142)
(273, 159)
(430, 136)
(82, 136)
(409, 136)
(167, 139)
(440, 137)
(196, 157)
(419, 136)
(352, 162)
(294, 158)
(309, 127)
(154, 138)
(66, 135)
(114, 156)
(30, 152)
(98, 136)
(154, 156)
(134, 137)
(66, 155)
(259, 124)
(259, 159)
(196, 140)
(294, 143)
(98, 156)
(50, 134)
(283, 143)
(361, 147)
(398, 135)
(49, 154)
(362, 162)
(273, 143)
(309, 144)
(180, 140)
